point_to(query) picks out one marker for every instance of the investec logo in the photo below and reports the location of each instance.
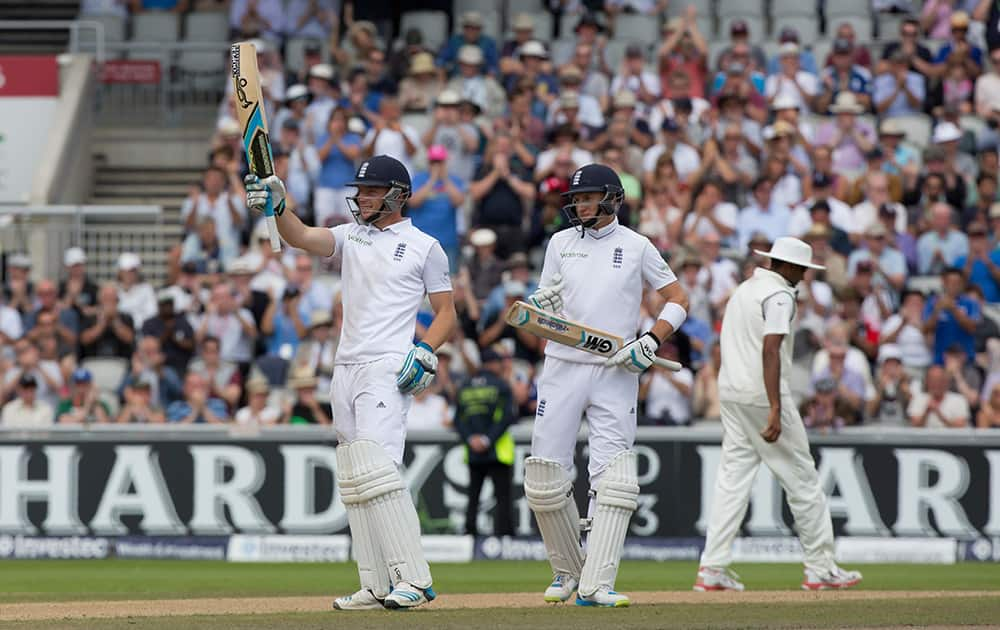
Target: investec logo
(358, 239)
(553, 324)
(597, 344)
(573, 254)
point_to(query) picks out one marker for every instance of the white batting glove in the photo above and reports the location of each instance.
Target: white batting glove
(638, 355)
(260, 191)
(418, 369)
(549, 298)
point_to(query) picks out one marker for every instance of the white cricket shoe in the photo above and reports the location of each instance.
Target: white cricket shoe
(714, 579)
(603, 597)
(562, 588)
(405, 595)
(835, 578)
(362, 600)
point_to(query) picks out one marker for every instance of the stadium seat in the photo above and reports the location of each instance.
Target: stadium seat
(114, 33)
(725, 8)
(973, 123)
(846, 7)
(458, 7)
(792, 7)
(562, 50)
(820, 49)
(706, 25)
(535, 7)
(637, 28)
(887, 25)
(203, 70)
(155, 27)
(756, 24)
(295, 52)
(419, 122)
(432, 24)
(615, 52)
(111, 400)
(567, 23)
(715, 48)
(918, 128)
(705, 7)
(491, 24)
(863, 27)
(108, 372)
(806, 27)
(206, 26)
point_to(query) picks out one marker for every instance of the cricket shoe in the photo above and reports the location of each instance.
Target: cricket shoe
(835, 578)
(362, 600)
(603, 597)
(562, 588)
(405, 595)
(712, 579)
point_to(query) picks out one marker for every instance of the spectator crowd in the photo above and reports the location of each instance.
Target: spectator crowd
(883, 156)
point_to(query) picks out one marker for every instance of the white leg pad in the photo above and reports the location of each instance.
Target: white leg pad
(549, 491)
(617, 499)
(391, 513)
(371, 567)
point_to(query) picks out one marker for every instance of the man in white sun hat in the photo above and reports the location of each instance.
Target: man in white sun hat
(761, 423)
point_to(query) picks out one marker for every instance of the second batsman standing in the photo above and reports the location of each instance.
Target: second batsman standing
(594, 273)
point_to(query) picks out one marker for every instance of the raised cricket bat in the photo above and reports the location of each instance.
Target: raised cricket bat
(253, 123)
(560, 330)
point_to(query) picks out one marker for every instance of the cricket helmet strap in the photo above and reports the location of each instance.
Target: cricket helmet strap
(382, 170)
(593, 178)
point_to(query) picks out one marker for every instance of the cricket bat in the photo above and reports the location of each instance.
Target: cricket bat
(253, 123)
(560, 330)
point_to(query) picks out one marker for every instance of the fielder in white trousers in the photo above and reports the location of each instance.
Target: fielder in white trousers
(761, 424)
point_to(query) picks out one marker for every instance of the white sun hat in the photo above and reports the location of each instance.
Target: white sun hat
(791, 250)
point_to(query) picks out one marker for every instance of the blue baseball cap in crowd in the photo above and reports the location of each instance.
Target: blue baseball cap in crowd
(82, 375)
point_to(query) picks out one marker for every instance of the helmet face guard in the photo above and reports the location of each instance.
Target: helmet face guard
(393, 201)
(608, 205)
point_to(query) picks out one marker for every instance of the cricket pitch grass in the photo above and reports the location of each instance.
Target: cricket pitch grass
(176, 595)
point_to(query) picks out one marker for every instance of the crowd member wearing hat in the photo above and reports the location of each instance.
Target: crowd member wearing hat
(843, 74)
(324, 88)
(899, 90)
(523, 28)
(149, 362)
(850, 137)
(825, 410)
(404, 51)
(18, 290)
(472, 82)
(419, 90)
(736, 69)
(531, 68)
(900, 159)
(740, 49)
(173, 330)
(312, 54)
(633, 76)
(139, 406)
(338, 149)
(672, 143)
(582, 111)
(319, 347)
(28, 361)
(26, 411)
(806, 59)
(591, 32)
(77, 290)
(305, 408)
(683, 50)
(459, 140)
(362, 36)
(958, 48)
(435, 206)
(892, 388)
(947, 135)
(791, 81)
(83, 404)
(471, 36)
(860, 55)
(593, 81)
(485, 411)
(257, 412)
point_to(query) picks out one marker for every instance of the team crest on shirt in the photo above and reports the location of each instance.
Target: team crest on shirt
(540, 411)
(400, 251)
(362, 170)
(616, 258)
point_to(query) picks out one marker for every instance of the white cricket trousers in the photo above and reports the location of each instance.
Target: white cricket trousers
(367, 405)
(568, 392)
(789, 459)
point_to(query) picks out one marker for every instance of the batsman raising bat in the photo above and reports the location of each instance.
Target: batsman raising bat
(594, 273)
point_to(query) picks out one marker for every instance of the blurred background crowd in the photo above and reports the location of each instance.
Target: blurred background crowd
(881, 152)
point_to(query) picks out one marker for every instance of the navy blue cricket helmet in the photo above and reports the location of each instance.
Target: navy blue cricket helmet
(594, 178)
(382, 170)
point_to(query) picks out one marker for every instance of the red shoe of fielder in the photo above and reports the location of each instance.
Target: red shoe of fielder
(712, 579)
(836, 578)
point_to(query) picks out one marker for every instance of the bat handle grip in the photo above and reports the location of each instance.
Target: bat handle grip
(272, 227)
(673, 366)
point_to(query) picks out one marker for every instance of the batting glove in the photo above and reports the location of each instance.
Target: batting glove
(549, 298)
(418, 369)
(638, 355)
(261, 191)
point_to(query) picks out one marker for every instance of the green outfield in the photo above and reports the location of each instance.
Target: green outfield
(888, 596)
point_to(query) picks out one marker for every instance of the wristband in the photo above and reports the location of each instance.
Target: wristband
(426, 346)
(674, 314)
(655, 338)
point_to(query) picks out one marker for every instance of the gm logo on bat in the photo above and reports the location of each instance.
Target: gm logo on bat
(597, 344)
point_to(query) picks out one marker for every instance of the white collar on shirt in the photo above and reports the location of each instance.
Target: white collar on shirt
(604, 231)
(395, 228)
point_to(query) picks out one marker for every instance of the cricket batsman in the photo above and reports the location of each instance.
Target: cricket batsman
(594, 272)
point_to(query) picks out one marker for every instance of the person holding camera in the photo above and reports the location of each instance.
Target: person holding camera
(282, 325)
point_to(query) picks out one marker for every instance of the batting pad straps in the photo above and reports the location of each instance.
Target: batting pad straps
(391, 516)
(372, 569)
(549, 492)
(674, 314)
(617, 499)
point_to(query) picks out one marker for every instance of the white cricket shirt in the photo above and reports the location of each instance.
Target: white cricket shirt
(604, 273)
(763, 305)
(384, 277)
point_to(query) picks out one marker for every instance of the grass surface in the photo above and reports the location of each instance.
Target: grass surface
(872, 613)
(56, 580)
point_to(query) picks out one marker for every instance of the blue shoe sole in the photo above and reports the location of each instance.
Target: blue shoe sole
(586, 602)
